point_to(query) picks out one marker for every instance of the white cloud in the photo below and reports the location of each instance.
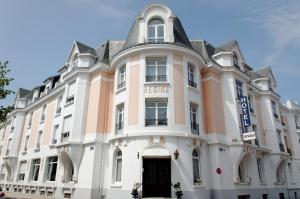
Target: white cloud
(281, 21)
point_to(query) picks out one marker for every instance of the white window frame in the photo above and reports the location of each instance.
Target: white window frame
(30, 119)
(36, 167)
(197, 180)
(59, 105)
(260, 169)
(118, 178)
(239, 89)
(156, 107)
(51, 164)
(120, 114)
(156, 77)
(122, 77)
(156, 38)
(194, 113)
(43, 115)
(192, 75)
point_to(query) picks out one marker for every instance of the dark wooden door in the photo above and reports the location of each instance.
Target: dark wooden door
(157, 178)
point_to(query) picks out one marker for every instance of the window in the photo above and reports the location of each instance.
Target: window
(22, 170)
(281, 195)
(273, 103)
(265, 196)
(43, 115)
(191, 76)
(55, 133)
(71, 93)
(26, 143)
(12, 124)
(156, 69)
(296, 122)
(281, 145)
(120, 118)
(35, 169)
(254, 127)
(30, 119)
(194, 119)
(239, 89)
(118, 166)
(156, 113)
(75, 61)
(67, 126)
(8, 147)
(58, 105)
(52, 168)
(196, 167)
(250, 104)
(38, 143)
(235, 61)
(260, 168)
(156, 31)
(122, 77)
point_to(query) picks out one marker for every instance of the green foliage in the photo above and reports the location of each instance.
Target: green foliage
(4, 82)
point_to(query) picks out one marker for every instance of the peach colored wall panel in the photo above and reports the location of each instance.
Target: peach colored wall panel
(133, 116)
(179, 94)
(102, 110)
(178, 57)
(48, 130)
(34, 129)
(214, 109)
(93, 106)
(263, 140)
(110, 103)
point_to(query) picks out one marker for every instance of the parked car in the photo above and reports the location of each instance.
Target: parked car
(2, 193)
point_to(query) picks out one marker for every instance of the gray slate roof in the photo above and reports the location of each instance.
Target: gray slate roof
(23, 92)
(83, 48)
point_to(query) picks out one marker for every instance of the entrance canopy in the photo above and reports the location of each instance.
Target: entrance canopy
(156, 151)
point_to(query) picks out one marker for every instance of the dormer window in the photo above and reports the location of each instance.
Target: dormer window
(156, 31)
(75, 61)
(235, 61)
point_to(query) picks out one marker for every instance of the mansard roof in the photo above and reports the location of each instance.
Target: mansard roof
(83, 48)
(263, 72)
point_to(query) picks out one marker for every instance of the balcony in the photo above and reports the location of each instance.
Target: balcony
(119, 127)
(121, 85)
(195, 128)
(192, 84)
(156, 122)
(65, 137)
(281, 147)
(156, 78)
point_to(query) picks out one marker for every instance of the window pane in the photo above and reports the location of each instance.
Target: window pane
(162, 113)
(196, 170)
(151, 31)
(118, 170)
(155, 21)
(150, 70)
(150, 113)
(160, 31)
(161, 70)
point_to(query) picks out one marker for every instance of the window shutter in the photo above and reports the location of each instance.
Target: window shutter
(71, 90)
(67, 124)
(23, 167)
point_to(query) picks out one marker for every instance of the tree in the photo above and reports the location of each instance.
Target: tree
(4, 82)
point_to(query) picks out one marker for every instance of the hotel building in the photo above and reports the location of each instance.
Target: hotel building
(148, 112)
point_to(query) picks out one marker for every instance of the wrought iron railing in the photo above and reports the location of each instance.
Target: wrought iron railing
(281, 147)
(156, 78)
(195, 128)
(156, 122)
(177, 188)
(192, 83)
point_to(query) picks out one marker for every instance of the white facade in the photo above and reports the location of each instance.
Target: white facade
(152, 113)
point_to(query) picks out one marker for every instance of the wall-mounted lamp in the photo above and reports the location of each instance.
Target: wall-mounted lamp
(176, 154)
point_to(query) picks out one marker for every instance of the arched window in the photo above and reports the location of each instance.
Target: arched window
(196, 167)
(243, 170)
(118, 166)
(156, 31)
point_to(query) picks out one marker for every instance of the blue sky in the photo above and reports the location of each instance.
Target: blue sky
(36, 35)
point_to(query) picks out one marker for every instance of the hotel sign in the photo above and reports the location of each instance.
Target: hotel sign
(245, 111)
(249, 136)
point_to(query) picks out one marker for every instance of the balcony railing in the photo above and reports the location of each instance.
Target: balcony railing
(156, 122)
(121, 85)
(195, 128)
(281, 147)
(156, 78)
(65, 136)
(275, 115)
(119, 126)
(70, 99)
(192, 83)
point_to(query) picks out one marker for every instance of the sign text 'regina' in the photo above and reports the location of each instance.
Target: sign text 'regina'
(245, 111)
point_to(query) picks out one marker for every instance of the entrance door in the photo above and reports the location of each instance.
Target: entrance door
(157, 178)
